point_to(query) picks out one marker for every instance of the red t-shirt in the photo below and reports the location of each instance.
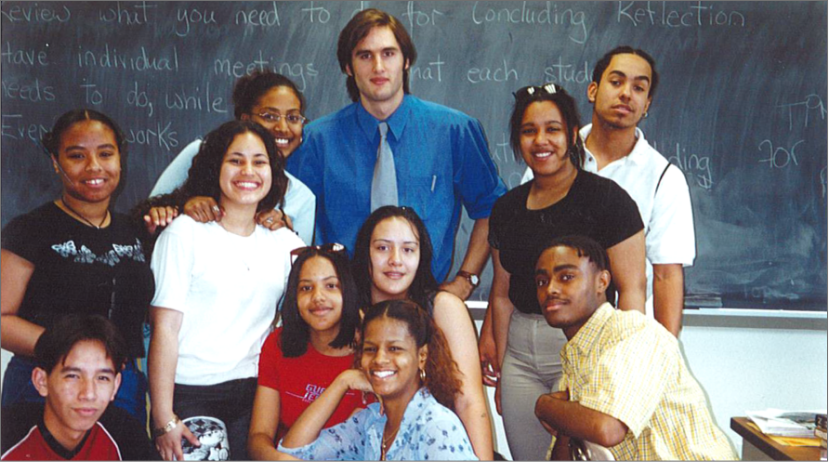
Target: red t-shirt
(98, 445)
(301, 380)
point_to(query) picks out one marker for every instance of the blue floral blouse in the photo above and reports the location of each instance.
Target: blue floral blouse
(429, 431)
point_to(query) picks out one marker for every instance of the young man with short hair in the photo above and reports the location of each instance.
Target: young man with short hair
(625, 384)
(79, 371)
(438, 157)
(624, 84)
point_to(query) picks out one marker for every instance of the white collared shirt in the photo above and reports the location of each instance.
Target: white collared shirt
(666, 212)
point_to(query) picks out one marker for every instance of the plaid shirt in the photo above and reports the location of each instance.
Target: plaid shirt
(629, 367)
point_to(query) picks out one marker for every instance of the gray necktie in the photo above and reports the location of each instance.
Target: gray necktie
(384, 182)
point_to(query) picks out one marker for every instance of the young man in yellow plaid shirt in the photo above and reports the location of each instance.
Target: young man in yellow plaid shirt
(625, 384)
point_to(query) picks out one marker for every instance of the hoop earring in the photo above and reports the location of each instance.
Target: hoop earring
(423, 375)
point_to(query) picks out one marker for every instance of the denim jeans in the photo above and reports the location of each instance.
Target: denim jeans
(231, 402)
(131, 397)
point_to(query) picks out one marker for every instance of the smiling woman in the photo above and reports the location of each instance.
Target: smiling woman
(217, 289)
(74, 255)
(404, 360)
(315, 344)
(562, 199)
(274, 102)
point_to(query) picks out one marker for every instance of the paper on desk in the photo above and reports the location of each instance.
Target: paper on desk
(793, 424)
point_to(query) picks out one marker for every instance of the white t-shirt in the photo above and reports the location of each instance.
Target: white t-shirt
(227, 287)
(666, 212)
(300, 202)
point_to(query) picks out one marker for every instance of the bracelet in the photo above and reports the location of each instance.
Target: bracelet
(167, 428)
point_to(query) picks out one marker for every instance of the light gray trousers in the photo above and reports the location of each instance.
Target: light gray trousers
(532, 367)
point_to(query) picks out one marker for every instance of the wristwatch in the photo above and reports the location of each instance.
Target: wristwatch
(167, 428)
(472, 278)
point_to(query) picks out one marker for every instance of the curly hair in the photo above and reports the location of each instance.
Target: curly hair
(424, 283)
(250, 88)
(443, 378)
(203, 176)
(295, 333)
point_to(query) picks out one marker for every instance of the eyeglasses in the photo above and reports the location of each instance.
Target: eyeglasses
(334, 248)
(532, 90)
(292, 119)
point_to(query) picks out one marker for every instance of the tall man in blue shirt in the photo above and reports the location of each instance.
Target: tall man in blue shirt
(440, 155)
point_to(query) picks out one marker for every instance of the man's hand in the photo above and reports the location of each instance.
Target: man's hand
(460, 287)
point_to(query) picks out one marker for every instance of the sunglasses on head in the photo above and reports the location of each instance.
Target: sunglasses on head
(531, 91)
(333, 248)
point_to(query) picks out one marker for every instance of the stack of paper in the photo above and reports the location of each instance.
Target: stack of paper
(799, 424)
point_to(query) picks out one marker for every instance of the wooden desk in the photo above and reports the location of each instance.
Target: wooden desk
(757, 446)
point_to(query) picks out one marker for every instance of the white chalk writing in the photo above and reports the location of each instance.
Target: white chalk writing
(321, 14)
(802, 110)
(779, 157)
(138, 15)
(34, 13)
(562, 73)
(696, 166)
(503, 73)
(548, 15)
(672, 15)
(30, 57)
(34, 92)
(13, 126)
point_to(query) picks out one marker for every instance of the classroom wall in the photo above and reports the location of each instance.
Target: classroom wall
(740, 368)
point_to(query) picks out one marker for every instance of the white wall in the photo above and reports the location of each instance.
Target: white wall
(743, 363)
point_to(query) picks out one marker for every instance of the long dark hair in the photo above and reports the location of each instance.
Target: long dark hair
(566, 105)
(442, 373)
(203, 176)
(424, 283)
(295, 333)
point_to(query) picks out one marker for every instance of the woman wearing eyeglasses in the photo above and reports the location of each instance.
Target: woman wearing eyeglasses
(320, 318)
(274, 102)
(561, 200)
(217, 289)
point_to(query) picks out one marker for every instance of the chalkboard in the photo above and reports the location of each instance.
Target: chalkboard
(741, 107)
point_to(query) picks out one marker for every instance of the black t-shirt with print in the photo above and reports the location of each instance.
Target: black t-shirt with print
(82, 270)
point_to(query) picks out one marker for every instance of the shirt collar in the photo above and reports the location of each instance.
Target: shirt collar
(58, 448)
(586, 337)
(397, 121)
(637, 155)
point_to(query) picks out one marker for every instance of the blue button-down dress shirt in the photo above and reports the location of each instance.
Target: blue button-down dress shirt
(441, 158)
